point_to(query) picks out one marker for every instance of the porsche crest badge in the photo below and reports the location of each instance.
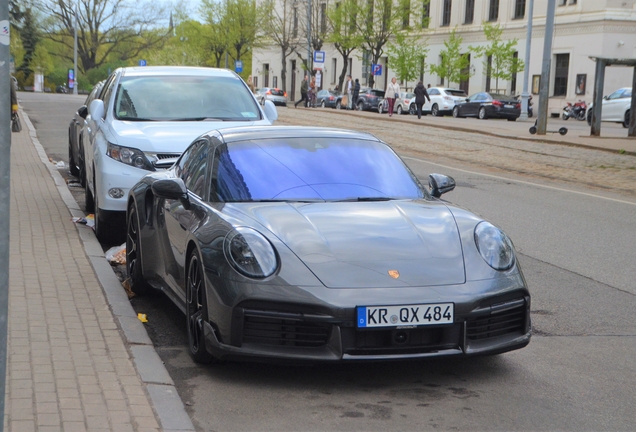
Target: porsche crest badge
(394, 274)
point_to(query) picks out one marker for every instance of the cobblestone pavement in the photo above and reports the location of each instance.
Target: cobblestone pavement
(604, 170)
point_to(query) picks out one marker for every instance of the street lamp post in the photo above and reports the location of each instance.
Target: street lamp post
(525, 96)
(75, 52)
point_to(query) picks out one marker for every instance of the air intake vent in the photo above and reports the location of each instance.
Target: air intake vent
(285, 332)
(509, 321)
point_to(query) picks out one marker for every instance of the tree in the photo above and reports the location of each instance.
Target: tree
(405, 56)
(26, 24)
(242, 20)
(107, 29)
(344, 35)
(279, 29)
(454, 65)
(503, 63)
(215, 32)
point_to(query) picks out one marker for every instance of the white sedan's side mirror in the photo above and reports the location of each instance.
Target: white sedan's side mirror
(96, 109)
(270, 111)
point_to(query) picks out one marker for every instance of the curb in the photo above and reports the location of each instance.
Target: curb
(168, 406)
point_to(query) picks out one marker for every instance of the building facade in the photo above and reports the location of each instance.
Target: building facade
(583, 29)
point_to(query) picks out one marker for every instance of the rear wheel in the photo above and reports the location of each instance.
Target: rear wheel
(399, 110)
(380, 106)
(412, 109)
(72, 165)
(196, 309)
(338, 105)
(133, 253)
(435, 110)
(626, 121)
(360, 106)
(322, 104)
(456, 112)
(482, 113)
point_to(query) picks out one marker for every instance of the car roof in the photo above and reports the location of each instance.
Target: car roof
(244, 133)
(175, 70)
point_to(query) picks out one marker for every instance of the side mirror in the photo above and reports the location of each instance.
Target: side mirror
(173, 189)
(83, 112)
(467, 100)
(606, 97)
(270, 111)
(96, 109)
(440, 184)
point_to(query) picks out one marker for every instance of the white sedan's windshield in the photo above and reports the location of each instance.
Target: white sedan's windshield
(184, 98)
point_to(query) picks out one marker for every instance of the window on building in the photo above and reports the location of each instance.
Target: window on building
(295, 23)
(446, 13)
(406, 14)
(275, 82)
(562, 2)
(426, 13)
(561, 74)
(469, 15)
(334, 70)
(323, 18)
(513, 81)
(488, 72)
(493, 11)
(572, 1)
(520, 9)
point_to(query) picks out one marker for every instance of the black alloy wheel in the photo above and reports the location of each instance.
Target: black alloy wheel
(72, 166)
(626, 121)
(456, 112)
(435, 110)
(196, 309)
(361, 106)
(482, 113)
(133, 254)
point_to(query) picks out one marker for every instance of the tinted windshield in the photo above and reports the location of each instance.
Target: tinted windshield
(171, 98)
(459, 93)
(310, 169)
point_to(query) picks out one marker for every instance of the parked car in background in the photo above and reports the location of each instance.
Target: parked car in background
(402, 104)
(443, 100)
(319, 244)
(488, 105)
(327, 98)
(276, 95)
(616, 107)
(76, 162)
(368, 99)
(144, 118)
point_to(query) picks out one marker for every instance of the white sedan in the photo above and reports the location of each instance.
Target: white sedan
(615, 107)
(443, 100)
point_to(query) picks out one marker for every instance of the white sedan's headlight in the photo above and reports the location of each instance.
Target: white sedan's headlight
(494, 246)
(250, 253)
(129, 156)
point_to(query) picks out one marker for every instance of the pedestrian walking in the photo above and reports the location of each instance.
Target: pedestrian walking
(349, 88)
(311, 93)
(420, 97)
(250, 83)
(355, 92)
(304, 87)
(392, 93)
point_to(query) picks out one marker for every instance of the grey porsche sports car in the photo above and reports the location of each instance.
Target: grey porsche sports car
(319, 244)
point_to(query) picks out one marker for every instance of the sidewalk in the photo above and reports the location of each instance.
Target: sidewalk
(78, 357)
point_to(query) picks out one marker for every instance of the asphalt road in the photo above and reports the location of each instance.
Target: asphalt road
(574, 233)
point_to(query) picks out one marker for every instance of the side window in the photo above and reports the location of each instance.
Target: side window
(108, 91)
(227, 183)
(433, 92)
(192, 170)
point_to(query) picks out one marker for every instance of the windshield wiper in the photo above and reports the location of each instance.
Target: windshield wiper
(197, 119)
(366, 199)
(135, 118)
(289, 200)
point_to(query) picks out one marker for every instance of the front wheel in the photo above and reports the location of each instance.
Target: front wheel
(72, 165)
(589, 118)
(196, 309)
(482, 113)
(399, 109)
(360, 106)
(380, 106)
(133, 253)
(456, 112)
(565, 116)
(581, 116)
(435, 110)
(626, 120)
(323, 104)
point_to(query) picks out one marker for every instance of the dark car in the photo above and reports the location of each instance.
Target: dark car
(489, 105)
(369, 99)
(75, 145)
(327, 98)
(320, 244)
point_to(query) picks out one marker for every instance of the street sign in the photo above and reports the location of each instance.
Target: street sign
(142, 62)
(238, 66)
(376, 69)
(71, 78)
(319, 56)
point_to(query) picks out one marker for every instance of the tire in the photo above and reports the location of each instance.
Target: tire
(563, 131)
(338, 105)
(104, 230)
(89, 200)
(456, 112)
(82, 167)
(322, 104)
(196, 309)
(360, 106)
(626, 120)
(72, 165)
(512, 119)
(138, 285)
(380, 108)
(435, 110)
(564, 116)
(412, 109)
(533, 130)
(399, 110)
(482, 113)
(589, 118)
(581, 116)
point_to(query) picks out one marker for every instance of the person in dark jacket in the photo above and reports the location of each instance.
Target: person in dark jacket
(304, 87)
(420, 97)
(356, 93)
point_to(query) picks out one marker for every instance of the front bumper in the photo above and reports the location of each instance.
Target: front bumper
(493, 325)
(110, 174)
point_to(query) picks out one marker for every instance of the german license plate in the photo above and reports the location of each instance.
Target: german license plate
(408, 315)
(509, 106)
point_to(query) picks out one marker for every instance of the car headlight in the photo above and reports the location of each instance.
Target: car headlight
(250, 253)
(129, 156)
(494, 246)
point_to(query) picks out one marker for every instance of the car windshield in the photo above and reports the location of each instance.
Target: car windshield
(184, 98)
(458, 93)
(311, 169)
(277, 92)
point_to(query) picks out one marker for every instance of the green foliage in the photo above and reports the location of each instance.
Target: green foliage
(454, 65)
(405, 56)
(503, 64)
(344, 36)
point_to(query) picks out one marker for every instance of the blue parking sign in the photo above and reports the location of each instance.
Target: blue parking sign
(142, 62)
(238, 66)
(376, 69)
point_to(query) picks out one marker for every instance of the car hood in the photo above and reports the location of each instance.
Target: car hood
(359, 244)
(166, 137)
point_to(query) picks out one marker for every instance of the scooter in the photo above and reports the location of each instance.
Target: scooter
(576, 110)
